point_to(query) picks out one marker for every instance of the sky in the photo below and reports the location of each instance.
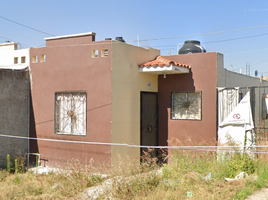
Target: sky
(157, 23)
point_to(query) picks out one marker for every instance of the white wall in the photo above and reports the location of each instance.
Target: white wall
(7, 54)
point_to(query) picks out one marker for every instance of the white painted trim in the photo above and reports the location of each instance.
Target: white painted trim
(171, 69)
(8, 43)
(70, 36)
(14, 67)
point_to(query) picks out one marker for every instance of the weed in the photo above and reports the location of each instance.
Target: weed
(3, 175)
(239, 163)
(132, 179)
(129, 187)
(8, 163)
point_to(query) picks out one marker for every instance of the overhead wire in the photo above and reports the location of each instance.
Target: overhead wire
(20, 44)
(234, 149)
(210, 33)
(226, 40)
(34, 29)
(4, 37)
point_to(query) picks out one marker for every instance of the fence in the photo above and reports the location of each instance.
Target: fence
(259, 103)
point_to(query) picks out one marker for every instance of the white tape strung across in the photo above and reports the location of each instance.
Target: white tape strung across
(195, 148)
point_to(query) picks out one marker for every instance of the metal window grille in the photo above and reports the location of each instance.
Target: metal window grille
(70, 113)
(186, 105)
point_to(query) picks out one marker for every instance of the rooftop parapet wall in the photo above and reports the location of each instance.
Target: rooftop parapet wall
(75, 39)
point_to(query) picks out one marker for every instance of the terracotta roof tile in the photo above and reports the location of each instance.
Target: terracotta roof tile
(161, 61)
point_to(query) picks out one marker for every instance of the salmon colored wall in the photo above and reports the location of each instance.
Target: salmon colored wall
(71, 41)
(72, 68)
(201, 78)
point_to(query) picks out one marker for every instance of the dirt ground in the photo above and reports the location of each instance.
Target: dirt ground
(259, 195)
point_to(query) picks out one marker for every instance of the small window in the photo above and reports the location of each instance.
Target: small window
(35, 59)
(23, 59)
(186, 105)
(43, 58)
(104, 52)
(70, 113)
(16, 60)
(95, 53)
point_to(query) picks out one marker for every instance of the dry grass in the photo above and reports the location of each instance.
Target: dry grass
(186, 173)
(183, 174)
(66, 184)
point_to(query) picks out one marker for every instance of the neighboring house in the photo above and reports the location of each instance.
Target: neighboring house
(15, 100)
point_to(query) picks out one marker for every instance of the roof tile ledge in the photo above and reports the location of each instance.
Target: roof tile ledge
(161, 61)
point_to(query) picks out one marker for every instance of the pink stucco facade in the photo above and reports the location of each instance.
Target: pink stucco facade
(202, 77)
(70, 67)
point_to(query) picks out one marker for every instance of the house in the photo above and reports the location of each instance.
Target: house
(87, 90)
(98, 93)
(15, 100)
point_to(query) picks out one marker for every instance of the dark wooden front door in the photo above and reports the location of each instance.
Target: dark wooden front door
(149, 120)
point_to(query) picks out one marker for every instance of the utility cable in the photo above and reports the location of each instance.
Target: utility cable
(26, 26)
(194, 148)
(8, 39)
(226, 40)
(211, 33)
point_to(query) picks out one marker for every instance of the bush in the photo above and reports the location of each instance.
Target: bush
(239, 163)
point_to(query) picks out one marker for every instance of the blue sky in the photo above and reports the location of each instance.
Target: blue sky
(149, 19)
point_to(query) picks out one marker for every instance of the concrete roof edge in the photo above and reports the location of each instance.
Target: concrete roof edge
(8, 43)
(70, 36)
(22, 68)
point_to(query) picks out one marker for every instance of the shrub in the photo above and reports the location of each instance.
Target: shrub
(239, 163)
(8, 163)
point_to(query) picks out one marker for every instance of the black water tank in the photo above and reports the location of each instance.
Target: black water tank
(191, 46)
(120, 39)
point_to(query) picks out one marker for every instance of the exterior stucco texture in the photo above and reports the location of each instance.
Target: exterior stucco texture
(14, 111)
(202, 77)
(72, 69)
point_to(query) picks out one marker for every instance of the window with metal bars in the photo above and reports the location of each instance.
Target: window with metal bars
(186, 105)
(70, 113)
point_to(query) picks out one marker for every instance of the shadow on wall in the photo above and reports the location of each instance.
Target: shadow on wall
(33, 143)
(172, 83)
(14, 110)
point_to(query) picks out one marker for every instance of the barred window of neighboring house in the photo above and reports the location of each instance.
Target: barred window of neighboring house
(186, 105)
(70, 113)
